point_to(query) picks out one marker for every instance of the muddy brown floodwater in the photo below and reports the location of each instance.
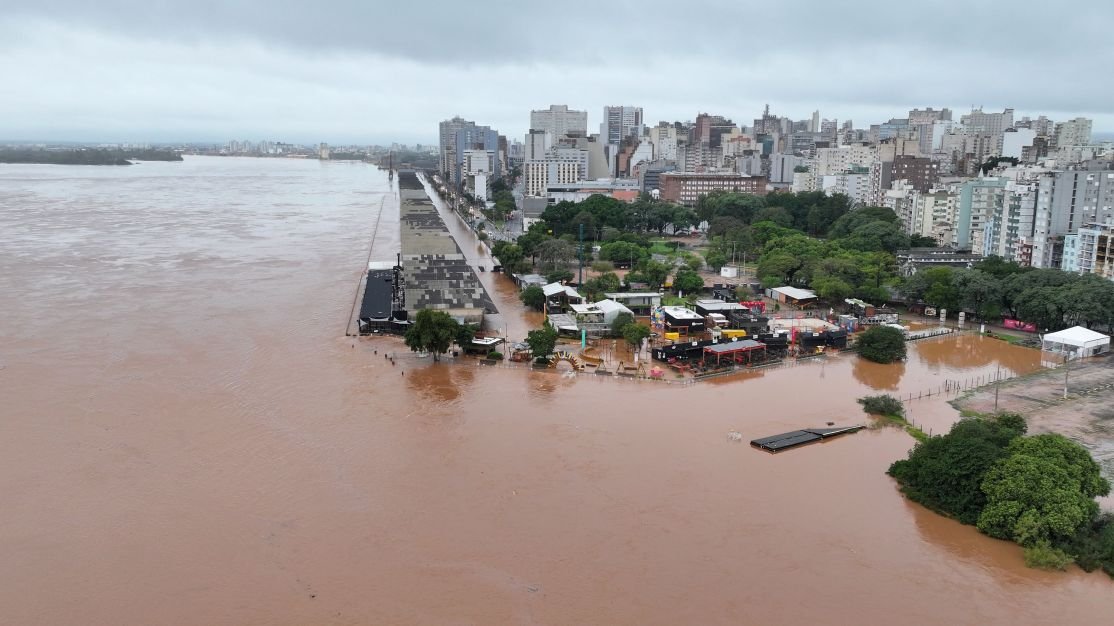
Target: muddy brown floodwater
(187, 437)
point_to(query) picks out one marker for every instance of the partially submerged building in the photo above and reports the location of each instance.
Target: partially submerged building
(436, 273)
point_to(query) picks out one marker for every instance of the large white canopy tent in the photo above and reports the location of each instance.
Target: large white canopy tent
(1076, 342)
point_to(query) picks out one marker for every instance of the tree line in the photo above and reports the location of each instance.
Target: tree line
(1038, 491)
(85, 156)
(994, 288)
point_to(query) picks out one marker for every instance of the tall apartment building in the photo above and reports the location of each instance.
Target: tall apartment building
(855, 186)
(538, 142)
(844, 159)
(782, 167)
(923, 121)
(1076, 132)
(905, 201)
(979, 200)
(686, 188)
(664, 138)
(1090, 251)
(473, 138)
(620, 122)
(921, 172)
(558, 120)
(1008, 228)
(981, 122)
(937, 216)
(1066, 201)
(447, 145)
(559, 166)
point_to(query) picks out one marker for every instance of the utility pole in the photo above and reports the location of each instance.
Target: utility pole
(1067, 366)
(997, 383)
(581, 253)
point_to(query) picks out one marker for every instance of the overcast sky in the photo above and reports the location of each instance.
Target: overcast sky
(367, 71)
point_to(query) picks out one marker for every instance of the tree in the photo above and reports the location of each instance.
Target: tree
(620, 322)
(533, 297)
(465, 333)
(945, 473)
(832, 289)
(559, 276)
(509, 255)
(687, 281)
(555, 253)
(852, 220)
(655, 272)
(1042, 491)
(775, 214)
(882, 344)
(432, 331)
(882, 405)
(634, 333)
(542, 341)
(622, 252)
(981, 293)
(716, 259)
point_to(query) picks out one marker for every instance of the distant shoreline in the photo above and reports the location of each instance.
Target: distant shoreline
(84, 156)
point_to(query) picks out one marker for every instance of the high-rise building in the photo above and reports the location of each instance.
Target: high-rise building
(1090, 251)
(447, 143)
(979, 200)
(1076, 132)
(924, 123)
(537, 143)
(559, 165)
(620, 122)
(558, 120)
(471, 137)
(979, 121)
(921, 172)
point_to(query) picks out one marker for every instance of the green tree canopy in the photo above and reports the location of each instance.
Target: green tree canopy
(533, 297)
(542, 340)
(634, 333)
(620, 322)
(432, 331)
(687, 281)
(882, 344)
(946, 473)
(1042, 491)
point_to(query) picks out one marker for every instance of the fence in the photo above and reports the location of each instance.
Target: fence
(957, 386)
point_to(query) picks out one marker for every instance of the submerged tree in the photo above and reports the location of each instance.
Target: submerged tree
(882, 344)
(432, 331)
(542, 341)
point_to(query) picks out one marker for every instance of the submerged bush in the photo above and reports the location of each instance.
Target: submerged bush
(1044, 556)
(883, 405)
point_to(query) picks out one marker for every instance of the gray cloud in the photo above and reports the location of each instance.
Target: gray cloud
(379, 71)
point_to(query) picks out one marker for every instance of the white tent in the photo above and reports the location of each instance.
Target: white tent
(1076, 342)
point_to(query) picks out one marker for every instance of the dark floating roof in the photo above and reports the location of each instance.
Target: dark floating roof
(796, 438)
(377, 295)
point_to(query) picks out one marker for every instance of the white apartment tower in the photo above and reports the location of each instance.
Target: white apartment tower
(1076, 132)
(558, 120)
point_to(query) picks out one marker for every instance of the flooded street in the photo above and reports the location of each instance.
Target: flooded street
(187, 437)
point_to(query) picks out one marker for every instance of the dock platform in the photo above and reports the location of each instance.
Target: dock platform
(792, 439)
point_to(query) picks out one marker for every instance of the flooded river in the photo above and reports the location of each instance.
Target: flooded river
(187, 437)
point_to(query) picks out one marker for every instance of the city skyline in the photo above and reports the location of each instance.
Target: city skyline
(126, 71)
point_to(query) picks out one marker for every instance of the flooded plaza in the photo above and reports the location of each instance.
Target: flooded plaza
(188, 436)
